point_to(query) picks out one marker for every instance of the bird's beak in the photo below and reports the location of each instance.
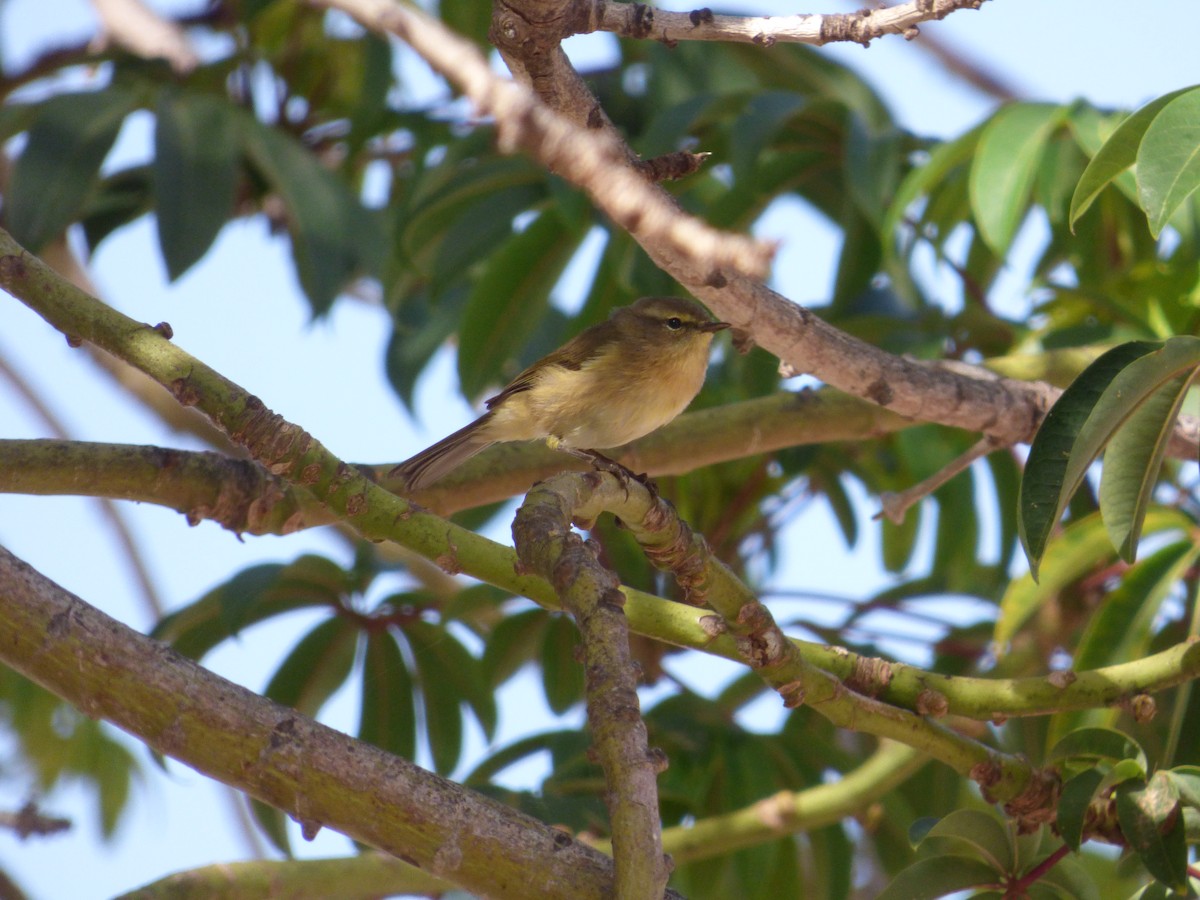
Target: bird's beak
(713, 327)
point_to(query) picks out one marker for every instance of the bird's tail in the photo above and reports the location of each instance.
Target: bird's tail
(443, 457)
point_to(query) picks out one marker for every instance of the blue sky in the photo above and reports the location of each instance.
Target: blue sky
(240, 311)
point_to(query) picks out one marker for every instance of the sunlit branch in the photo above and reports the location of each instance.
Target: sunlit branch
(640, 21)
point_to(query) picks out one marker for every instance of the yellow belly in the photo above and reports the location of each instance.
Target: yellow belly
(596, 407)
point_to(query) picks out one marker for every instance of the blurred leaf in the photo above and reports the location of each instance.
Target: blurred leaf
(509, 299)
(250, 596)
(196, 169)
(762, 116)
(273, 823)
(562, 673)
(1045, 487)
(470, 18)
(1071, 880)
(1133, 460)
(1149, 819)
(316, 667)
(923, 179)
(1098, 743)
(1118, 154)
(60, 165)
(117, 201)
(463, 210)
(873, 165)
(388, 717)
(334, 237)
(514, 642)
(1005, 167)
(927, 879)
(900, 540)
(982, 832)
(1077, 794)
(1168, 159)
(449, 678)
(1120, 630)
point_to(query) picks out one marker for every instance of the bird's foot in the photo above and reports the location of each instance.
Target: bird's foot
(623, 474)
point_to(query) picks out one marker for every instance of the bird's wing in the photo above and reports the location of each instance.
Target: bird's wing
(571, 355)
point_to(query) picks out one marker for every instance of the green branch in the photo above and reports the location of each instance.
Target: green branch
(546, 544)
(197, 484)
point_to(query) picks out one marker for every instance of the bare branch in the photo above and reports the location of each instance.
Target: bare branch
(639, 21)
(137, 28)
(895, 505)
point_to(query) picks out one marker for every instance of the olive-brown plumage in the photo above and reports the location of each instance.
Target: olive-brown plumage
(611, 384)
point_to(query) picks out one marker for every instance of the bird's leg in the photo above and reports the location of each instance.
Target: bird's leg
(604, 463)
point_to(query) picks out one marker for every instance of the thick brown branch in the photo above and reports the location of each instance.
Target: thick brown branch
(319, 776)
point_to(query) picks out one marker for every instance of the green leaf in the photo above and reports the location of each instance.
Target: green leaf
(1081, 547)
(1133, 460)
(1121, 630)
(449, 677)
(1077, 795)
(764, 114)
(273, 824)
(470, 18)
(1071, 880)
(60, 165)
(1045, 486)
(1098, 743)
(1005, 167)
(1153, 828)
(510, 298)
(334, 237)
(482, 197)
(1187, 783)
(196, 169)
(873, 162)
(388, 718)
(1168, 159)
(927, 879)
(250, 596)
(562, 673)
(985, 835)
(316, 667)
(117, 201)
(1118, 154)
(923, 179)
(513, 643)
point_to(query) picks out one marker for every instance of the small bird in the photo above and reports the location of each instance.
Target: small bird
(612, 383)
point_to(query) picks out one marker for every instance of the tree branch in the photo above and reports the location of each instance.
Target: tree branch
(639, 21)
(1006, 410)
(546, 544)
(319, 776)
(672, 546)
(132, 473)
(365, 876)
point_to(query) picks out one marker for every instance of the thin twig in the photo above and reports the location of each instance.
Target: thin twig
(895, 505)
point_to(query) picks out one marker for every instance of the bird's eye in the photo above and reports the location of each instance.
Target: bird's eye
(674, 323)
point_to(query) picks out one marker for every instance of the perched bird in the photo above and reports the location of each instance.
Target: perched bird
(612, 383)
